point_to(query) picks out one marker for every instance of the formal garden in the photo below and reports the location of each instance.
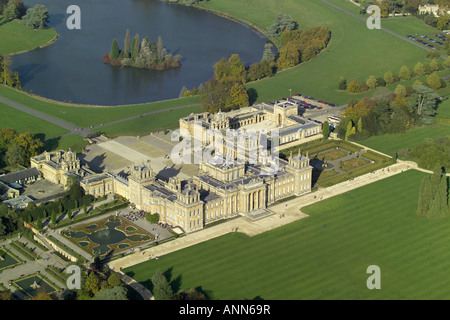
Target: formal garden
(30, 286)
(108, 236)
(8, 259)
(335, 161)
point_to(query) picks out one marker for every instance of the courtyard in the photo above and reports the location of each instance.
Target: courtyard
(118, 155)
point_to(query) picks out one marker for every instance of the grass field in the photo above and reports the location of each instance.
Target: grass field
(152, 123)
(16, 37)
(75, 142)
(443, 110)
(373, 225)
(22, 122)
(392, 143)
(354, 52)
(85, 116)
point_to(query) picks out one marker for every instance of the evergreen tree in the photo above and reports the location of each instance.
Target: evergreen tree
(443, 196)
(359, 125)
(53, 217)
(183, 90)
(115, 51)
(39, 223)
(160, 49)
(127, 44)
(161, 287)
(342, 84)
(135, 46)
(426, 103)
(326, 129)
(422, 206)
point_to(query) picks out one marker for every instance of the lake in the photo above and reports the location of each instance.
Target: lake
(71, 69)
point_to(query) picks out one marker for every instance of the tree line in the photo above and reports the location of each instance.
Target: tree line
(143, 54)
(421, 69)
(16, 149)
(394, 113)
(7, 76)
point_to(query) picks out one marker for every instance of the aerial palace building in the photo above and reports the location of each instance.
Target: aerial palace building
(224, 187)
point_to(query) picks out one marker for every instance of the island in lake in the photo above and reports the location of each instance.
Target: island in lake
(143, 54)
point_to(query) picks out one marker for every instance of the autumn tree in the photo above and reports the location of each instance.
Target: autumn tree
(404, 73)
(359, 109)
(289, 56)
(237, 97)
(419, 69)
(389, 77)
(354, 86)
(371, 82)
(434, 81)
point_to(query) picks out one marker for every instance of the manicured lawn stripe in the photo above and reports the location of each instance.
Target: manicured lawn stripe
(304, 260)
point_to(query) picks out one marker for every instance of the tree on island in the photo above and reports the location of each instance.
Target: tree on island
(143, 54)
(114, 53)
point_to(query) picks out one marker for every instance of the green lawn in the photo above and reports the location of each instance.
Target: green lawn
(354, 52)
(16, 37)
(85, 116)
(75, 142)
(22, 122)
(392, 143)
(151, 123)
(443, 110)
(373, 225)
